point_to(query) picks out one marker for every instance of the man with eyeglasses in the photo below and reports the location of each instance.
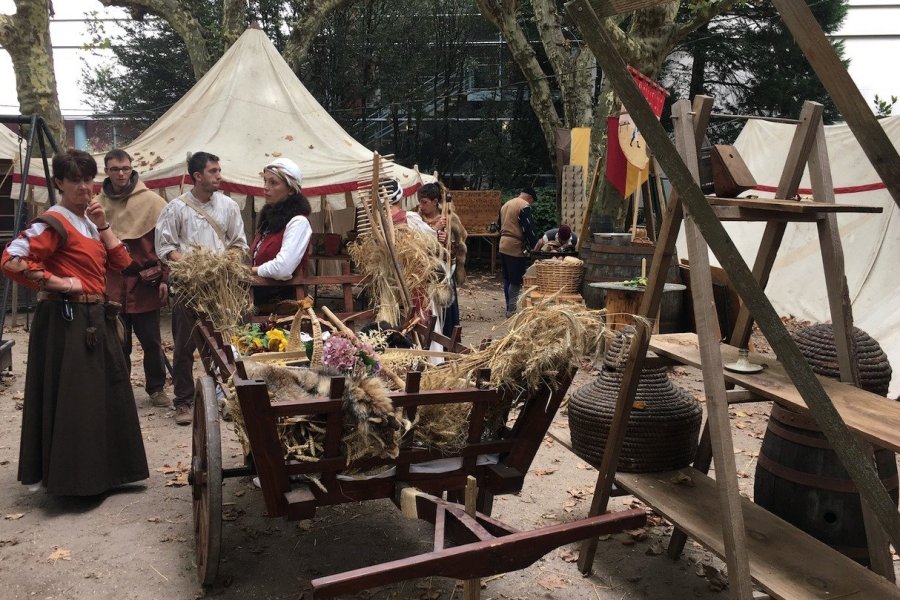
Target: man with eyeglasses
(132, 211)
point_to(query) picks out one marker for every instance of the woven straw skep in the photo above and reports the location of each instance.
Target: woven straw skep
(663, 427)
(816, 343)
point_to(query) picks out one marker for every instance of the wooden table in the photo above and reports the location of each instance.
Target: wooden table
(624, 301)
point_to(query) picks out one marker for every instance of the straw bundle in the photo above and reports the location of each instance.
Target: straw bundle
(422, 263)
(214, 285)
(543, 340)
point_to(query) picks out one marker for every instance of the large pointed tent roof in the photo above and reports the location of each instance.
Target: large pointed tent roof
(249, 109)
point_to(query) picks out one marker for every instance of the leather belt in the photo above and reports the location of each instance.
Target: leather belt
(76, 298)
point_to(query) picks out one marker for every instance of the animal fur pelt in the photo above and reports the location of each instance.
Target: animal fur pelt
(372, 426)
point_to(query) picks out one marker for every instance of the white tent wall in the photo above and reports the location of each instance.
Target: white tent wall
(249, 109)
(871, 242)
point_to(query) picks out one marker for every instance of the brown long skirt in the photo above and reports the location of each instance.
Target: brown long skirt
(80, 430)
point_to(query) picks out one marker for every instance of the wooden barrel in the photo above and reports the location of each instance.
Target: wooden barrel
(615, 258)
(800, 478)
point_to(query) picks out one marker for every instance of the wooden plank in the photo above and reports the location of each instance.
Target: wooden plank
(732, 213)
(707, 324)
(785, 561)
(843, 90)
(842, 440)
(585, 231)
(479, 559)
(668, 233)
(869, 415)
(842, 319)
(794, 206)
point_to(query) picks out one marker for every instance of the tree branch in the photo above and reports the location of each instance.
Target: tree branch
(234, 20)
(702, 15)
(181, 19)
(307, 27)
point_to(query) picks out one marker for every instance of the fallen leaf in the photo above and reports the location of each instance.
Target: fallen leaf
(552, 582)
(583, 466)
(59, 554)
(13, 516)
(655, 549)
(682, 479)
(639, 405)
(542, 472)
(569, 556)
(153, 519)
(180, 481)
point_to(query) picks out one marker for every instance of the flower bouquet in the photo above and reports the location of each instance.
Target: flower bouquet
(259, 338)
(350, 356)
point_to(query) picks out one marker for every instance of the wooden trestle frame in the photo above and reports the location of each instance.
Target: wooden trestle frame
(701, 217)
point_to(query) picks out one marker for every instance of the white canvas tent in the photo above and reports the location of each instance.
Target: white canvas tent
(9, 145)
(871, 241)
(248, 109)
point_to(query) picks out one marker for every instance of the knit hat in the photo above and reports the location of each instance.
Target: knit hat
(287, 170)
(530, 191)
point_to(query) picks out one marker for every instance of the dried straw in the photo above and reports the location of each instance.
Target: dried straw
(422, 260)
(214, 285)
(543, 341)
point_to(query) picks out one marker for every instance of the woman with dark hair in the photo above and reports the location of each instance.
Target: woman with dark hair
(431, 210)
(282, 233)
(80, 429)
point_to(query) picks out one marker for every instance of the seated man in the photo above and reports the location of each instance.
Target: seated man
(559, 239)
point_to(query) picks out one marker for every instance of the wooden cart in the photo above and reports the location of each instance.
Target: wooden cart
(465, 546)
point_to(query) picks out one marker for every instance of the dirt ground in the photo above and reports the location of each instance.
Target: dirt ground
(138, 542)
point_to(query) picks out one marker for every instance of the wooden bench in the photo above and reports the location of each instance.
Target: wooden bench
(786, 562)
(302, 282)
(873, 417)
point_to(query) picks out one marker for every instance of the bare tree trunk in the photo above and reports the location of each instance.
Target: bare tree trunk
(181, 19)
(26, 36)
(234, 20)
(502, 13)
(307, 28)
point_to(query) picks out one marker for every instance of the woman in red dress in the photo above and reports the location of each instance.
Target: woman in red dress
(282, 233)
(80, 429)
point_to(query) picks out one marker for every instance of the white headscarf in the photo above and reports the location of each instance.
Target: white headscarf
(397, 195)
(287, 170)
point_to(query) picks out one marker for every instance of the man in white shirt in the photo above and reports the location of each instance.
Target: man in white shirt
(207, 218)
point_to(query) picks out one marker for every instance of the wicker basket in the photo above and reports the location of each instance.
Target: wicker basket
(294, 343)
(559, 276)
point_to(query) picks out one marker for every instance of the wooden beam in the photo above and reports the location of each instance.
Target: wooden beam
(617, 428)
(842, 89)
(706, 320)
(798, 154)
(844, 443)
(842, 319)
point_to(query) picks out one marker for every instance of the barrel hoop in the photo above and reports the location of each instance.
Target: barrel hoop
(798, 438)
(794, 419)
(830, 484)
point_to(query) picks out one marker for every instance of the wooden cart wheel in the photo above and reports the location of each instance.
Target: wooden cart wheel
(206, 480)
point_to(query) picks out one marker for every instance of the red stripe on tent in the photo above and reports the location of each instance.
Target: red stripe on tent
(239, 188)
(852, 189)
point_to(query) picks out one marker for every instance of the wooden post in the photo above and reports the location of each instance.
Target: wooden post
(810, 388)
(842, 319)
(471, 587)
(733, 532)
(586, 220)
(624, 402)
(801, 145)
